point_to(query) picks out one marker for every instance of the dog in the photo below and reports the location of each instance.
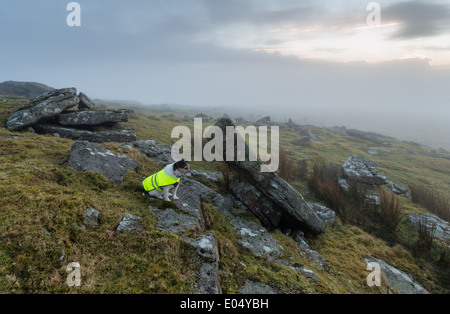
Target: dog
(159, 184)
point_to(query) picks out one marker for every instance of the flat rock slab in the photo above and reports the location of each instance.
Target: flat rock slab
(174, 221)
(397, 280)
(86, 156)
(42, 108)
(90, 118)
(120, 136)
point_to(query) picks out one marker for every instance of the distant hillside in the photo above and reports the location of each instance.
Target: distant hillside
(24, 89)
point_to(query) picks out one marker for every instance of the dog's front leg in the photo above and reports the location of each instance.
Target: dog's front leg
(166, 194)
(175, 197)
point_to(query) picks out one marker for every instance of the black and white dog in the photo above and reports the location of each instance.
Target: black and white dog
(159, 184)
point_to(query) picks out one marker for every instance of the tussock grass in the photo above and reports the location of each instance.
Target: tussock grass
(431, 200)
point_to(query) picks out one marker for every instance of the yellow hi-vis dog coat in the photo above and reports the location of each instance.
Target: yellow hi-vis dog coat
(159, 180)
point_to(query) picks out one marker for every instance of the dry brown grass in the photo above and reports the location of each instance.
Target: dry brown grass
(390, 209)
(431, 200)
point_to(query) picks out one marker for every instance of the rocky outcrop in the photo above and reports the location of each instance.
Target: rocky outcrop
(85, 102)
(363, 170)
(90, 118)
(371, 136)
(91, 217)
(86, 156)
(287, 200)
(47, 114)
(186, 217)
(366, 172)
(119, 136)
(324, 213)
(251, 235)
(397, 281)
(215, 176)
(441, 227)
(159, 153)
(257, 203)
(42, 108)
(130, 223)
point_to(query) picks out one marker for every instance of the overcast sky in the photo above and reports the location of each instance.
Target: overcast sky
(287, 56)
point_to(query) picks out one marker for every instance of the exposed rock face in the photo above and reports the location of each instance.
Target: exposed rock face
(85, 102)
(107, 117)
(397, 280)
(324, 213)
(189, 217)
(121, 136)
(251, 235)
(86, 156)
(47, 114)
(42, 108)
(257, 203)
(286, 199)
(130, 223)
(91, 217)
(159, 153)
(442, 227)
(210, 176)
(364, 170)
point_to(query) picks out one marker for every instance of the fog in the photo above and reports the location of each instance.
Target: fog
(314, 63)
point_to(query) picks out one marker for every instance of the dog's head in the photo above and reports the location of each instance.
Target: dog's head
(181, 167)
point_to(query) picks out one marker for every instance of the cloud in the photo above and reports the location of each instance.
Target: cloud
(418, 19)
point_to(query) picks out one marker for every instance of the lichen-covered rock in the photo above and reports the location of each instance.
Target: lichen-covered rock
(364, 170)
(257, 203)
(440, 226)
(85, 102)
(397, 280)
(42, 108)
(285, 197)
(86, 156)
(118, 136)
(90, 118)
(324, 213)
(130, 223)
(91, 217)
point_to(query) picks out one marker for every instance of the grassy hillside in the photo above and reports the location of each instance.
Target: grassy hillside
(43, 203)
